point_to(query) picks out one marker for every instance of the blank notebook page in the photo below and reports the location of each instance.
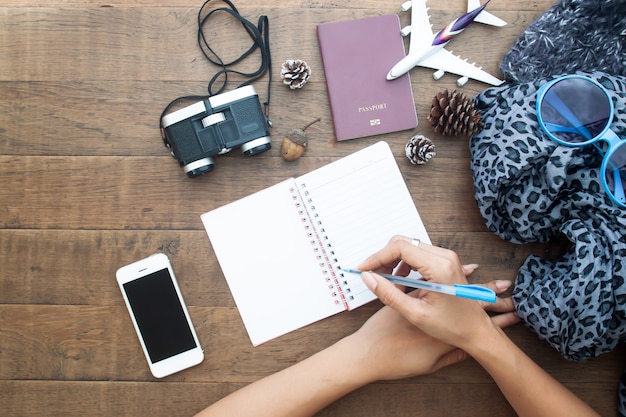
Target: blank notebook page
(268, 262)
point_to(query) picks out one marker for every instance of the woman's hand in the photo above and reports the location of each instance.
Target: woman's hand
(391, 347)
(463, 323)
(453, 320)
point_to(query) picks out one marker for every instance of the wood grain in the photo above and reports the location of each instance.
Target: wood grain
(88, 186)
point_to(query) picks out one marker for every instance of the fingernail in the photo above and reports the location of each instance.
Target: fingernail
(369, 280)
(475, 266)
(503, 284)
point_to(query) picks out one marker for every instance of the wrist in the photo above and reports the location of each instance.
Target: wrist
(353, 360)
(490, 342)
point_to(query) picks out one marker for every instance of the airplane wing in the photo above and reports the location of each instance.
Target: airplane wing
(484, 16)
(448, 62)
(421, 29)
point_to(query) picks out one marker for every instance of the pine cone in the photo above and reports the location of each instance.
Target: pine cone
(419, 149)
(295, 73)
(454, 114)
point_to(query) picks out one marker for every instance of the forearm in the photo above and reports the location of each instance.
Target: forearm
(529, 389)
(300, 390)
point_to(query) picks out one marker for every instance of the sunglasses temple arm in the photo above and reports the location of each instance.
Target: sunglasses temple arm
(554, 128)
(617, 186)
(562, 108)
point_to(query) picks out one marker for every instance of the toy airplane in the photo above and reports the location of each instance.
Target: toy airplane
(427, 49)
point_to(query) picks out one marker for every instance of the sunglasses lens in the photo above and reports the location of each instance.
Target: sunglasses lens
(575, 110)
(615, 174)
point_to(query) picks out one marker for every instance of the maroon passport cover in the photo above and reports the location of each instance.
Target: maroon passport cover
(357, 55)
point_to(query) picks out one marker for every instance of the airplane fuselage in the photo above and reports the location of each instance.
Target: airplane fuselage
(411, 60)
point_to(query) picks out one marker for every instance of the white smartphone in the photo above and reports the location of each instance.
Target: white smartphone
(159, 315)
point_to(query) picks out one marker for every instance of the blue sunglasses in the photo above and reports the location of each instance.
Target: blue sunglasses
(577, 111)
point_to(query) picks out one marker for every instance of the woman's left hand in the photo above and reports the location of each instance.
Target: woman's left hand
(390, 347)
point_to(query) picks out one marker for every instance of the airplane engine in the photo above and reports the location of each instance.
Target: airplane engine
(438, 74)
(462, 81)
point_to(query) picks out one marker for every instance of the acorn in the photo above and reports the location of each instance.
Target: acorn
(295, 143)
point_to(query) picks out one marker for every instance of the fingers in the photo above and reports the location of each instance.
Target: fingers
(389, 294)
(502, 305)
(505, 305)
(450, 358)
(439, 264)
(469, 269)
(431, 261)
(390, 257)
(499, 285)
(505, 320)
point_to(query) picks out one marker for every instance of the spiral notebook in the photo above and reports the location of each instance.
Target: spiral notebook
(281, 249)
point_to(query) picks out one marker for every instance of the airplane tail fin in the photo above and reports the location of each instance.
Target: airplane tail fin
(484, 17)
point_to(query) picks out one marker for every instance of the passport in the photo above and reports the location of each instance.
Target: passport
(356, 56)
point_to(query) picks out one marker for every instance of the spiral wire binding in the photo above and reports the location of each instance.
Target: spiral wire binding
(323, 249)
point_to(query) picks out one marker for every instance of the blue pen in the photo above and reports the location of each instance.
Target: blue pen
(474, 292)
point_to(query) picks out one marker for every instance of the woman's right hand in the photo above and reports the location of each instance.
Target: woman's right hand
(456, 321)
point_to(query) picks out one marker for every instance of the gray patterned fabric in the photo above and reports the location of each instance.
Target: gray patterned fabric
(530, 189)
(573, 35)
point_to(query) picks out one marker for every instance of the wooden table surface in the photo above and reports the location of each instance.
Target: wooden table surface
(88, 187)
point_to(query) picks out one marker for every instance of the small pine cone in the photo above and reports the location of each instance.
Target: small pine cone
(295, 73)
(419, 149)
(454, 114)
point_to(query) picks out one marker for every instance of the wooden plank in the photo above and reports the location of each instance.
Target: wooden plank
(66, 266)
(107, 398)
(158, 43)
(121, 118)
(102, 192)
(47, 342)
(166, 399)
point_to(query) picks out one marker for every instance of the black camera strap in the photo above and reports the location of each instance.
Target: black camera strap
(259, 34)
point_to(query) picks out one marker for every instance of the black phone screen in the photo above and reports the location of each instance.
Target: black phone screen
(159, 315)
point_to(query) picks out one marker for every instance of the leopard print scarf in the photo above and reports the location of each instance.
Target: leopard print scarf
(530, 189)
